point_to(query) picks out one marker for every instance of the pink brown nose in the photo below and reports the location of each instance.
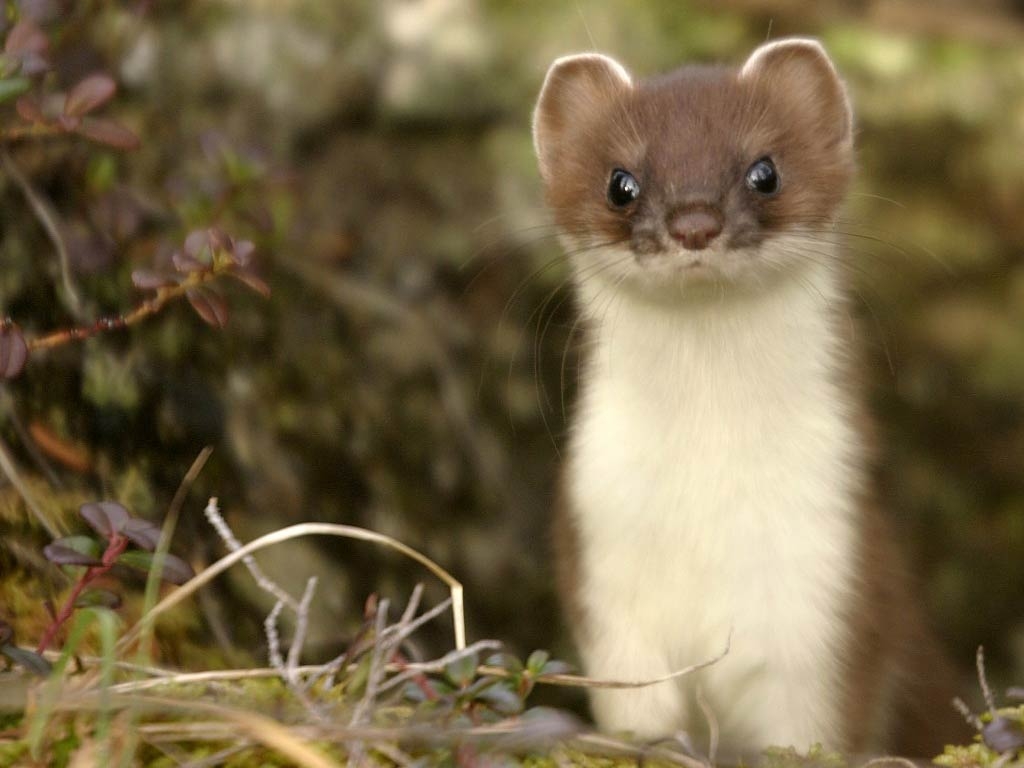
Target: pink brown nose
(695, 227)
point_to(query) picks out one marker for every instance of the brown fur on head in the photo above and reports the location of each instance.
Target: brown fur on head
(689, 139)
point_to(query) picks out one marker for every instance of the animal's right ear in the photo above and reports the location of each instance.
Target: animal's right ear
(575, 86)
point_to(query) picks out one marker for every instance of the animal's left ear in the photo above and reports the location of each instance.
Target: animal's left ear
(798, 68)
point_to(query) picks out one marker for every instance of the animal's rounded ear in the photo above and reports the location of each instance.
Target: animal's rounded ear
(798, 68)
(575, 86)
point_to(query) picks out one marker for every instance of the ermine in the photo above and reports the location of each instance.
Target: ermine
(716, 480)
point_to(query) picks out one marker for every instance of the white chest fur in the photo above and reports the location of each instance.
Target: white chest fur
(712, 481)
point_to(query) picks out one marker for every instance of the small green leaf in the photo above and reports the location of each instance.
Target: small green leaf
(12, 87)
(175, 570)
(537, 661)
(101, 172)
(501, 699)
(98, 598)
(461, 671)
(505, 661)
(31, 661)
(556, 668)
(357, 682)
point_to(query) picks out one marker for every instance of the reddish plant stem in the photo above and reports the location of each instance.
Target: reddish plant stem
(33, 131)
(146, 309)
(115, 548)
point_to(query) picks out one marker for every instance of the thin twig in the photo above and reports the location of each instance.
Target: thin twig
(438, 665)
(581, 681)
(972, 719)
(986, 692)
(273, 638)
(47, 216)
(10, 469)
(163, 296)
(301, 627)
(357, 749)
(26, 439)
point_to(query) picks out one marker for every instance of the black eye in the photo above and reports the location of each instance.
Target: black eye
(762, 177)
(623, 188)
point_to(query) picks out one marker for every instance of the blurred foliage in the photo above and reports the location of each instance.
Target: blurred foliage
(412, 369)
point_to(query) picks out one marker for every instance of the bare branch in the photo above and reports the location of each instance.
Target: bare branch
(228, 537)
(273, 638)
(301, 626)
(986, 691)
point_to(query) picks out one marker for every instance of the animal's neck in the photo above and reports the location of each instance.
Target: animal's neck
(734, 357)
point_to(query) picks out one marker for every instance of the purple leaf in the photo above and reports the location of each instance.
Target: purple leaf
(185, 264)
(209, 305)
(69, 123)
(243, 252)
(13, 351)
(141, 532)
(252, 280)
(108, 132)
(176, 570)
(199, 246)
(90, 93)
(27, 43)
(33, 662)
(73, 550)
(148, 280)
(105, 517)
(1003, 735)
(219, 240)
(25, 38)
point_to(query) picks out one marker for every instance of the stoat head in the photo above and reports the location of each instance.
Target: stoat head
(704, 176)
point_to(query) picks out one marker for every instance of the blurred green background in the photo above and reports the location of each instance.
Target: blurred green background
(412, 370)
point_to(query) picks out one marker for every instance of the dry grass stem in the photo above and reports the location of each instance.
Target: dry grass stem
(298, 531)
(9, 468)
(890, 760)
(581, 681)
(47, 216)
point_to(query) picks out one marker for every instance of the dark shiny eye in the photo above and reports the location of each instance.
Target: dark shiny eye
(762, 177)
(623, 188)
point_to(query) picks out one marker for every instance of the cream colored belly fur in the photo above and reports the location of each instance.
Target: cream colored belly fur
(712, 473)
